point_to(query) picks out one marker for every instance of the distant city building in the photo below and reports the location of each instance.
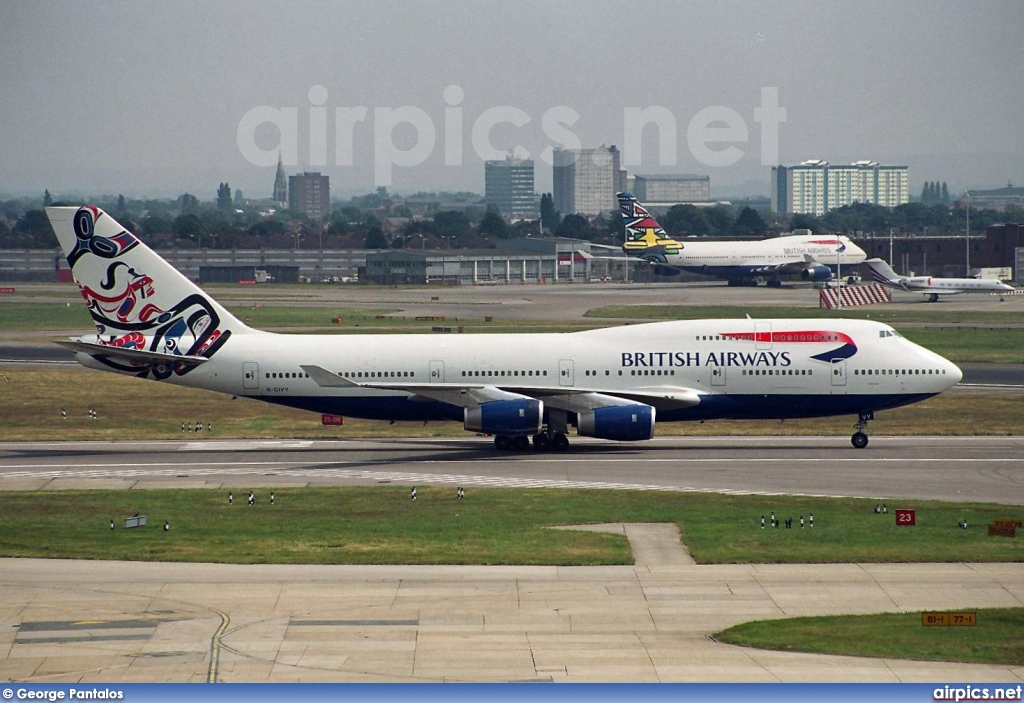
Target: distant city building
(508, 185)
(280, 184)
(996, 199)
(815, 187)
(586, 180)
(309, 194)
(684, 188)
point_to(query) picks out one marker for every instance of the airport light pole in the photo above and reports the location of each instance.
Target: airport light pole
(839, 275)
(968, 273)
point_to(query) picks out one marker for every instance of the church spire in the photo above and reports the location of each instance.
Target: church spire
(280, 183)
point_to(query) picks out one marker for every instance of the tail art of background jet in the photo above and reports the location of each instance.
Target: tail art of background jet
(152, 322)
(807, 256)
(931, 286)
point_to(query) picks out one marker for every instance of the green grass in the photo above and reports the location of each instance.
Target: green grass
(894, 316)
(998, 638)
(986, 336)
(966, 344)
(18, 317)
(381, 525)
(315, 318)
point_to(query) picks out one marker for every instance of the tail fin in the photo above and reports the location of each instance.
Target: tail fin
(882, 273)
(137, 300)
(644, 236)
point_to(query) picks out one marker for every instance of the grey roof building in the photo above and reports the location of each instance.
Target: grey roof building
(508, 185)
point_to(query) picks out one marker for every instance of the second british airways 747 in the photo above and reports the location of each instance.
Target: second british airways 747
(806, 256)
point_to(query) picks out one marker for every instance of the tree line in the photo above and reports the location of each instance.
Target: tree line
(371, 222)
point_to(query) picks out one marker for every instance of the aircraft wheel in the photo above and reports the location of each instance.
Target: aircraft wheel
(501, 442)
(859, 440)
(774, 283)
(541, 442)
(559, 442)
(521, 442)
(933, 298)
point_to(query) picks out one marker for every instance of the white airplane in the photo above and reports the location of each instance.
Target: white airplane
(152, 322)
(931, 286)
(811, 257)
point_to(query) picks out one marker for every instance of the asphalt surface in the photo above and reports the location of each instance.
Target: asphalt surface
(982, 469)
(79, 621)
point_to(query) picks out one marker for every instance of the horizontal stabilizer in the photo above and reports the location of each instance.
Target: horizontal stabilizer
(133, 355)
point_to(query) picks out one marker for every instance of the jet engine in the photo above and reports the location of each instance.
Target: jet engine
(816, 272)
(625, 423)
(505, 417)
(666, 271)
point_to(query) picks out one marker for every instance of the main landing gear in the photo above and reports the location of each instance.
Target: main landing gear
(550, 442)
(542, 442)
(860, 437)
(504, 442)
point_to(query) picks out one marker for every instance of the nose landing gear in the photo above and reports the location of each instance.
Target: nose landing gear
(860, 437)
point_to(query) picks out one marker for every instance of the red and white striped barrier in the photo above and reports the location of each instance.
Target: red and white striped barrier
(853, 296)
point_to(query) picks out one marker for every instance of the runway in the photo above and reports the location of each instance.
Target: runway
(961, 469)
(82, 621)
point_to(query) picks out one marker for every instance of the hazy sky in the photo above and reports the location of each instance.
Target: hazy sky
(148, 97)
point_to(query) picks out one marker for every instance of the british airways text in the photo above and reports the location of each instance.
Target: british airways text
(725, 358)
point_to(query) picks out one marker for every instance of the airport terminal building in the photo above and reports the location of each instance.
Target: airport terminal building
(541, 260)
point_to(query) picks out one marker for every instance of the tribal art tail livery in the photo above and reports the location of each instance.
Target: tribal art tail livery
(645, 238)
(137, 301)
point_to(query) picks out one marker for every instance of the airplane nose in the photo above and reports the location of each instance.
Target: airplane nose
(953, 373)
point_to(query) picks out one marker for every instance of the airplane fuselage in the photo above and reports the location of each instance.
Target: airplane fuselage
(951, 286)
(764, 255)
(688, 370)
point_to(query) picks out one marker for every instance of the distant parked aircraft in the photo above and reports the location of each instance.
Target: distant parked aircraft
(802, 254)
(932, 286)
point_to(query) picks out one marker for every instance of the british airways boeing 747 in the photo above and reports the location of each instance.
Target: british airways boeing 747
(613, 383)
(807, 256)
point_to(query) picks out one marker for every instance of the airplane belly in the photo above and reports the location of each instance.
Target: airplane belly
(382, 407)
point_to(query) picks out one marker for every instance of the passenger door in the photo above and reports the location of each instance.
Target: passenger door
(250, 375)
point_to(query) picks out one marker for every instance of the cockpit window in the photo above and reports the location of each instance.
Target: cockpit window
(889, 333)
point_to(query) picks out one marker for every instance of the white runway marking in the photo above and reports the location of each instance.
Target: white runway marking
(401, 478)
(242, 445)
(326, 470)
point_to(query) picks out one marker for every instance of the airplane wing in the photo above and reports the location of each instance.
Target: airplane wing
(661, 398)
(603, 257)
(469, 395)
(133, 356)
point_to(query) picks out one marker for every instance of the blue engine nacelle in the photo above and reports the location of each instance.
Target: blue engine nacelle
(625, 423)
(505, 417)
(817, 272)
